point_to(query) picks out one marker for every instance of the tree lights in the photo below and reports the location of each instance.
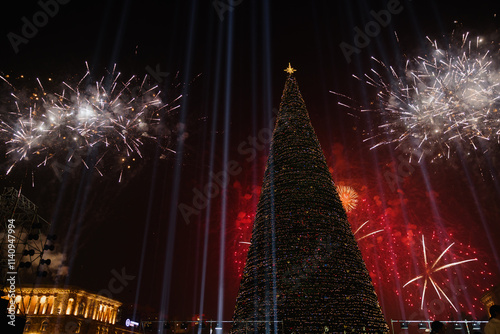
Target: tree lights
(287, 277)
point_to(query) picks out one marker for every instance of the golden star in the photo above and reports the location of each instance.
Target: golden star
(289, 69)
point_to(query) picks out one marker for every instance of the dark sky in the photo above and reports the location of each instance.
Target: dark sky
(231, 63)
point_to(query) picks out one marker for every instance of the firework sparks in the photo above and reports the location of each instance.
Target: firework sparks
(348, 197)
(111, 117)
(445, 101)
(366, 235)
(390, 254)
(430, 269)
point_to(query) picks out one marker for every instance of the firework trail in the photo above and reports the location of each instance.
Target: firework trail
(358, 239)
(111, 117)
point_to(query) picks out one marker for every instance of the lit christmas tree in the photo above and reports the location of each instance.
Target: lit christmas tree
(304, 272)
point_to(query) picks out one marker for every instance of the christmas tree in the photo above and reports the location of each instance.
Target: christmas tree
(304, 272)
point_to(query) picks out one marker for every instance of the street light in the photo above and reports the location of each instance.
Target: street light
(422, 325)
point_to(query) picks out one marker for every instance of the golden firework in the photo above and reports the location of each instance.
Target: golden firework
(348, 197)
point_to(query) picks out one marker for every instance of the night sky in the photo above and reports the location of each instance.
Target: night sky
(228, 65)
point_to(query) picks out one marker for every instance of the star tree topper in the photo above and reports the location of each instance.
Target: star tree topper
(289, 69)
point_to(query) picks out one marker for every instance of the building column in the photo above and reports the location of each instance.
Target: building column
(37, 304)
(114, 316)
(87, 307)
(53, 296)
(32, 302)
(96, 310)
(45, 305)
(77, 304)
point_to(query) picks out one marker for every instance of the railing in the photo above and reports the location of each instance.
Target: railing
(469, 326)
(207, 326)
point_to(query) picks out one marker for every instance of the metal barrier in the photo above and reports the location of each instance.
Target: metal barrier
(460, 325)
(206, 326)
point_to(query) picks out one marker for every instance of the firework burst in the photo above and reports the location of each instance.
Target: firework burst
(108, 118)
(445, 101)
(348, 197)
(429, 271)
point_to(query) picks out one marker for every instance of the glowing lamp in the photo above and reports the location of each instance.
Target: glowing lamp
(130, 323)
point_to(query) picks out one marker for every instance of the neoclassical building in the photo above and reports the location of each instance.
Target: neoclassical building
(66, 310)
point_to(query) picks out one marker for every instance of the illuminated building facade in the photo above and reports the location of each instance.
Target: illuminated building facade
(66, 310)
(492, 297)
